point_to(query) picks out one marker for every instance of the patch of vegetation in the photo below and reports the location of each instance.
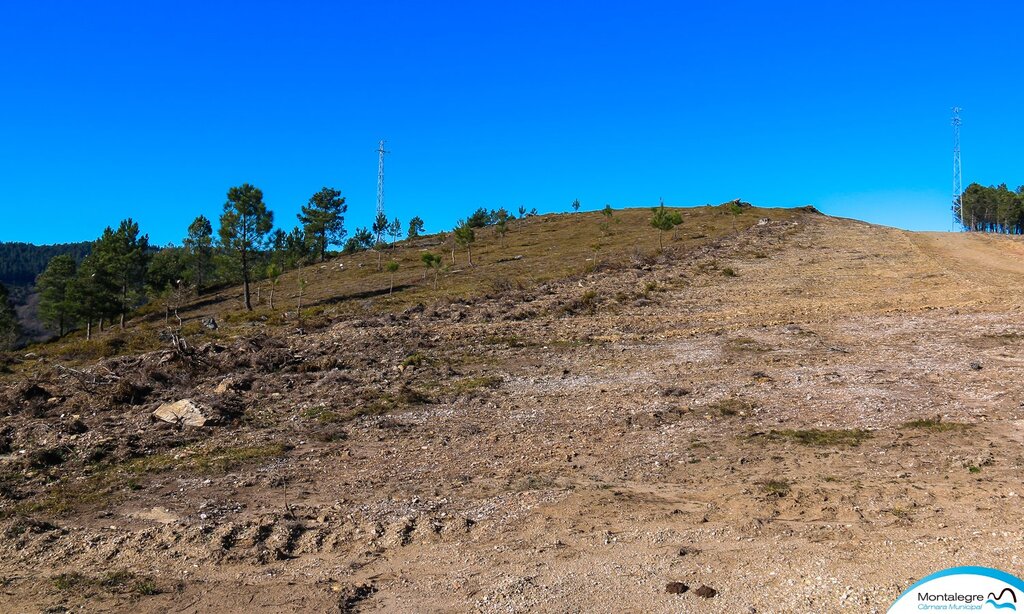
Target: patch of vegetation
(776, 488)
(110, 482)
(652, 286)
(586, 303)
(120, 581)
(819, 437)
(732, 406)
(469, 384)
(321, 413)
(746, 344)
(973, 468)
(935, 425)
(108, 345)
(415, 359)
(225, 459)
(71, 580)
(511, 341)
(728, 272)
(531, 482)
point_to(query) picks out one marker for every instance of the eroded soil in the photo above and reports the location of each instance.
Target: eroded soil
(805, 417)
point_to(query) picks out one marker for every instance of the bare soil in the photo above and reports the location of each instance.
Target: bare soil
(803, 415)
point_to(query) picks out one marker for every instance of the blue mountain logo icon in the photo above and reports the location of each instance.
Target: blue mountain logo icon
(999, 604)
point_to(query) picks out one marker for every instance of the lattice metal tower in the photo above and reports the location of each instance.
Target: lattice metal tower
(958, 179)
(380, 177)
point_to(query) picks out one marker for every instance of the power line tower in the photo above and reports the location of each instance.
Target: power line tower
(958, 199)
(380, 177)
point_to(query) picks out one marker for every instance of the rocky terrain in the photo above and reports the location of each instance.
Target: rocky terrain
(782, 413)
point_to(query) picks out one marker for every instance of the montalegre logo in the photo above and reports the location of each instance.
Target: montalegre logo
(963, 589)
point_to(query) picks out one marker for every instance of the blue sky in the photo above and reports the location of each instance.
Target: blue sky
(154, 109)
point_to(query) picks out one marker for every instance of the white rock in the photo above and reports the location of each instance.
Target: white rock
(184, 412)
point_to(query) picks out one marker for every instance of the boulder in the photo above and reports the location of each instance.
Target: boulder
(184, 412)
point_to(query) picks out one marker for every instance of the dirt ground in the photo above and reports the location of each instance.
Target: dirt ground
(807, 416)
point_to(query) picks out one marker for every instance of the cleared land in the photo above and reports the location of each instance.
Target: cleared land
(805, 415)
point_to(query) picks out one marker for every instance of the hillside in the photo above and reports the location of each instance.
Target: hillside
(802, 413)
(20, 264)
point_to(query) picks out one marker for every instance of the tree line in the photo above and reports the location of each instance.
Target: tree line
(992, 209)
(121, 270)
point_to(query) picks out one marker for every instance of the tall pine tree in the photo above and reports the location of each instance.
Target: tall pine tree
(243, 230)
(323, 220)
(199, 246)
(124, 254)
(57, 302)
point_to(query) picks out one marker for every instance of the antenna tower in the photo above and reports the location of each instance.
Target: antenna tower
(958, 200)
(380, 177)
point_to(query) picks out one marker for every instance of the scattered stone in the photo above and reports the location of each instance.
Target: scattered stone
(676, 588)
(705, 591)
(976, 365)
(182, 412)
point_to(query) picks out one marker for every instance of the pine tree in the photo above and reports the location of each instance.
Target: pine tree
(501, 224)
(395, 230)
(199, 246)
(323, 220)
(415, 227)
(124, 255)
(465, 237)
(392, 267)
(664, 219)
(576, 205)
(380, 226)
(57, 304)
(95, 293)
(243, 230)
(432, 261)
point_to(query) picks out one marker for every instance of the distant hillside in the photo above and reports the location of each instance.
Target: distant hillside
(20, 264)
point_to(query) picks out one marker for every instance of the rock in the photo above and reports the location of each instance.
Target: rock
(976, 365)
(182, 412)
(705, 591)
(156, 514)
(676, 588)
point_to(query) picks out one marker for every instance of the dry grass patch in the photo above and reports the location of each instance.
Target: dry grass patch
(819, 437)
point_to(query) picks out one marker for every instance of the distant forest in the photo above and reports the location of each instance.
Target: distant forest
(993, 209)
(21, 263)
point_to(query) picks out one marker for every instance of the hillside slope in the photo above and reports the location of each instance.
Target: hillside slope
(803, 413)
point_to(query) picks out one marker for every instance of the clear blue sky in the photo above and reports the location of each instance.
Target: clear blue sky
(153, 109)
